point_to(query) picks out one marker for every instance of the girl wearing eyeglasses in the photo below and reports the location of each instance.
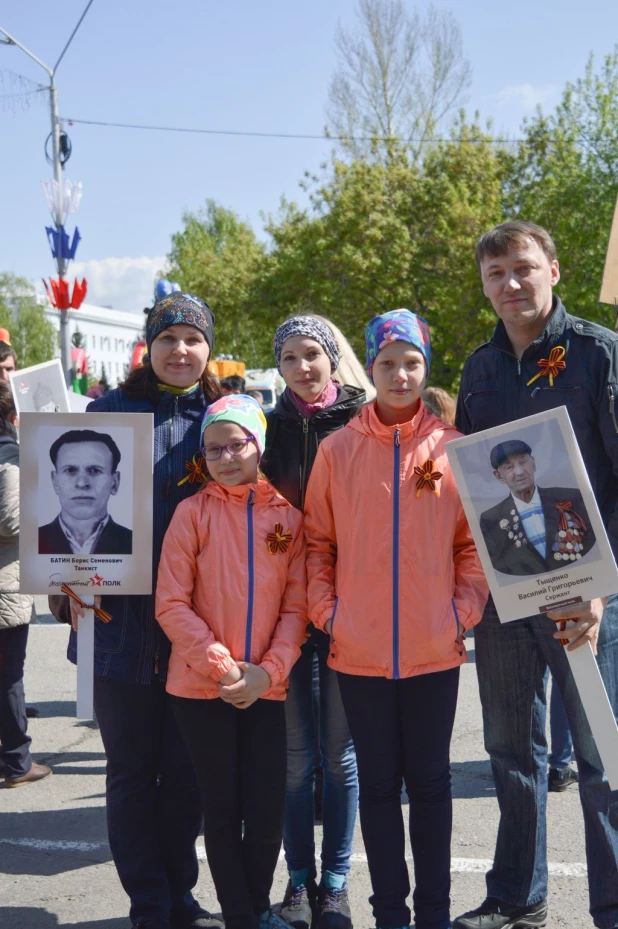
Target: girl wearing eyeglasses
(231, 597)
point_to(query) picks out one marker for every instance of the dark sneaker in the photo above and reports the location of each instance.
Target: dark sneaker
(299, 904)
(154, 924)
(271, 920)
(492, 914)
(196, 918)
(561, 778)
(333, 909)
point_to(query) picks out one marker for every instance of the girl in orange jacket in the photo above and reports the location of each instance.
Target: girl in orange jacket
(394, 577)
(231, 597)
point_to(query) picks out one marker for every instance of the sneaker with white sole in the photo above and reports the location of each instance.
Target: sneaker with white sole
(492, 914)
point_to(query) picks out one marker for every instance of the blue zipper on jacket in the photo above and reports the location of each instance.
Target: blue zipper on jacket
(251, 576)
(396, 557)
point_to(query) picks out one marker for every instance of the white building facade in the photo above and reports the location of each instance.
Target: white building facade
(108, 337)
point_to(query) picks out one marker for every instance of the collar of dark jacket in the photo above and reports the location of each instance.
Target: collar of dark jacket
(348, 398)
(554, 328)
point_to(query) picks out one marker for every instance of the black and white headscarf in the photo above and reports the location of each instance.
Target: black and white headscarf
(312, 328)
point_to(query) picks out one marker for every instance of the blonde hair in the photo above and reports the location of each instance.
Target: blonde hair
(441, 404)
(350, 370)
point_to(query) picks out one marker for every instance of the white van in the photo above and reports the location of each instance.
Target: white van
(269, 383)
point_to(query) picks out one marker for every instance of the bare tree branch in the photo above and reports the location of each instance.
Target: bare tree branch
(399, 75)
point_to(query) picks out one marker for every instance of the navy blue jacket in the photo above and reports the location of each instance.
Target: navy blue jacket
(133, 646)
(494, 390)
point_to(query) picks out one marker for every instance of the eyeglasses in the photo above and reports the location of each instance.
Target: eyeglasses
(235, 448)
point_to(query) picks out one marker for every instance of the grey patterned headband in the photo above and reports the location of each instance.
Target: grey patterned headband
(312, 328)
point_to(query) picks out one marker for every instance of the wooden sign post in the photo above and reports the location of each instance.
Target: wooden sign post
(597, 708)
(609, 286)
(85, 663)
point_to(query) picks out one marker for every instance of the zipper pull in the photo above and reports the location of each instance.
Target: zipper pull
(518, 367)
(612, 400)
(305, 425)
(251, 496)
(397, 434)
(156, 666)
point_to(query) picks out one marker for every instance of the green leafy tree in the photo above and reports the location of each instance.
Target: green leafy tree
(32, 334)
(218, 257)
(384, 235)
(564, 176)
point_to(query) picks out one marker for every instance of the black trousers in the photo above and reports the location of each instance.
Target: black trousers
(153, 806)
(13, 723)
(239, 757)
(402, 730)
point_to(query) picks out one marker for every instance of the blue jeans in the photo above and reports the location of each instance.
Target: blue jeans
(512, 661)
(338, 763)
(561, 749)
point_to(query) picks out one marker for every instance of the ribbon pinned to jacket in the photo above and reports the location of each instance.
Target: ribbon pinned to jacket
(197, 472)
(428, 477)
(278, 540)
(568, 513)
(103, 615)
(552, 366)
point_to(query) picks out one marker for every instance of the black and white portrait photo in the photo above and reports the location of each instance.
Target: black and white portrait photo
(85, 475)
(86, 501)
(532, 513)
(40, 389)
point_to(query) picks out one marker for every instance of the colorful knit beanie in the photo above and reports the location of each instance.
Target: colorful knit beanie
(242, 410)
(397, 326)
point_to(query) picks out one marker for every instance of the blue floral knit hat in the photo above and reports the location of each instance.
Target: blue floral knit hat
(397, 326)
(180, 309)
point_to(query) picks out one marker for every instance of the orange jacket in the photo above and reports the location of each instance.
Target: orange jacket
(395, 569)
(229, 591)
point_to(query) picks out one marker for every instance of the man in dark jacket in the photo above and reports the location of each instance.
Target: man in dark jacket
(539, 358)
(534, 529)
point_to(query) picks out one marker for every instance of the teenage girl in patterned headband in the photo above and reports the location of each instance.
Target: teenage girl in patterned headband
(394, 578)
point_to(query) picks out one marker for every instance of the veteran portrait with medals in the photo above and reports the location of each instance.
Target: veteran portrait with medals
(534, 529)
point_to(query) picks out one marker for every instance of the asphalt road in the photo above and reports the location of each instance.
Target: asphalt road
(55, 863)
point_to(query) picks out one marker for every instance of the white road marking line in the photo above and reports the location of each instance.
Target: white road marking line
(46, 845)
(458, 865)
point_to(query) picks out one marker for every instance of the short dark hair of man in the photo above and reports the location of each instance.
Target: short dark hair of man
(76, 436)
(234, 382)
(498, 241)
(7, 351)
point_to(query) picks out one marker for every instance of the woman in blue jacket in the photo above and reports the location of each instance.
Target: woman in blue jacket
(153, 805)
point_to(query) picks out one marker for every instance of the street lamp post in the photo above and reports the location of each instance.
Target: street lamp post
(65, 347)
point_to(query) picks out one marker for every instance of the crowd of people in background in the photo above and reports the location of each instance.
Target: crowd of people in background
(301, 653)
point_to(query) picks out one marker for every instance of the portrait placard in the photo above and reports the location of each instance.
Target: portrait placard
(533, 515)
(40, 389)
(86, 503)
